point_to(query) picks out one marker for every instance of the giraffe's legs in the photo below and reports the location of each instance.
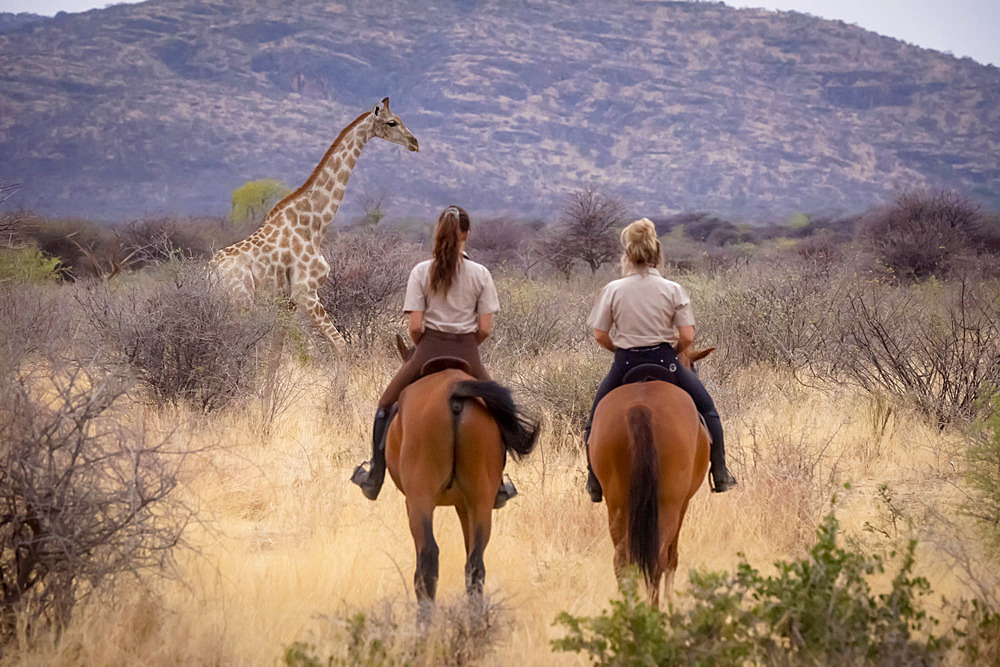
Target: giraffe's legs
(308, 302)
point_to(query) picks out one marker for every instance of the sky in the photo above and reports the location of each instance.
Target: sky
(960, 27)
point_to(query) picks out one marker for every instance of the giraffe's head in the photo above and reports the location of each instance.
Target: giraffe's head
(387, 125)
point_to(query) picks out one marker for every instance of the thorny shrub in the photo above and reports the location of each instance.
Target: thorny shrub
(777, 315)
(181, 333)
(364, 292)
(924, 234)
(85, 492)
(935, 344)
(536, 317)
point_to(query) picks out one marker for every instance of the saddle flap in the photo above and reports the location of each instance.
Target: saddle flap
(443, 363)
(649, 372)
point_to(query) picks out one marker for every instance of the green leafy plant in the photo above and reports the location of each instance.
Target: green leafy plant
(27, 264)
(815, 610)
(253, 199)
(982, 472)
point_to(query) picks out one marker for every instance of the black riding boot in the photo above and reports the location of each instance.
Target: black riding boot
(371, 480)
(719, 478)
(504, 493)
(593, 485)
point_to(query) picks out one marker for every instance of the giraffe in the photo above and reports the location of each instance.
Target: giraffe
(284, 253)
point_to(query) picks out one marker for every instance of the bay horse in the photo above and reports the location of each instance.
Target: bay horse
(447, 445)
(650, 452)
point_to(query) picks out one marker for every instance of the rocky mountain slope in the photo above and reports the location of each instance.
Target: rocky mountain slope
(167, 105)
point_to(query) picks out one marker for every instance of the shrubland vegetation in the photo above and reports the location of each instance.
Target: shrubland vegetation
(150, 489)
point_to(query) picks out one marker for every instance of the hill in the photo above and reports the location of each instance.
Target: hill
(168, 105)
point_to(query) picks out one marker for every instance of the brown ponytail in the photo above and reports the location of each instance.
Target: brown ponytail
(447, 247)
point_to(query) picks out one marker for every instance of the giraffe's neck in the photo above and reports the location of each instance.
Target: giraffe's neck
(321, 195)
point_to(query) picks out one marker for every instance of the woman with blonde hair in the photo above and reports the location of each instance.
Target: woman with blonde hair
(646, 319)
(450, 301)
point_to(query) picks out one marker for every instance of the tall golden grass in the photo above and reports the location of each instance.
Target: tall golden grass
(286, 550)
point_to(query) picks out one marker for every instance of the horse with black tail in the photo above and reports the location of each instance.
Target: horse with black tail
(447, 445)
(650, 452)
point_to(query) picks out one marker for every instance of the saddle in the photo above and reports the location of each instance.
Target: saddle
(443, 363)
(651, 372)
(655, 372)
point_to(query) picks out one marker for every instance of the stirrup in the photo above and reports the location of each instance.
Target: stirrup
(363, 478)
(594, 487)
(504, 493)
(727, 482)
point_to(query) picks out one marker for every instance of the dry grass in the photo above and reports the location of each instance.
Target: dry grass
(286, 549)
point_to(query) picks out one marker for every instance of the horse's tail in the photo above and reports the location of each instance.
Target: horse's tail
(517, 431)
(643, 510)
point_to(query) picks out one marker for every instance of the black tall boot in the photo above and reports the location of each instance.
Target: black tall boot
(719, 478)
(371, 480)
(593, 485)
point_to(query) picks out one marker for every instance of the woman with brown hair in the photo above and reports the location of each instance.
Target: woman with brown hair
(450, 301)
(646, 319)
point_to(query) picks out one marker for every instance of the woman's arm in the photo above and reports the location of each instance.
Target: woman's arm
(685, 342)
(604, 339)
(685, 337)
(416, 325)
(485, 327)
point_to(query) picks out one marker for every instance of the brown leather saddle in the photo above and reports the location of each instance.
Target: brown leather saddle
(651, 372)
(655, 372)
(444, 363)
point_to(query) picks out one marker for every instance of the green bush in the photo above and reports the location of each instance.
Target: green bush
(817, 610)
(27, 265)
(254, 199)
(982, 472)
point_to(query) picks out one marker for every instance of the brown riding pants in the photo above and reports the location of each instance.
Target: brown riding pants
(434, 344)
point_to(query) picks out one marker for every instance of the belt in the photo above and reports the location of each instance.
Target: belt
(442, 335)
(650, 348)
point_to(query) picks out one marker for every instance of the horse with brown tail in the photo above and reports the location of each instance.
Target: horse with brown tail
(447, 445)
(650, 451)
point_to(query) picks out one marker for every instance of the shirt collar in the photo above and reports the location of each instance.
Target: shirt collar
(634, 271)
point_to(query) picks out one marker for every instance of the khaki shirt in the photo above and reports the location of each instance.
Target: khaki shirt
(642, 309)
(472, 293)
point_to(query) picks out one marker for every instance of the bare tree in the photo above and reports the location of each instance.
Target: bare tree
(586, 229)
(10, 221)
(85, 492)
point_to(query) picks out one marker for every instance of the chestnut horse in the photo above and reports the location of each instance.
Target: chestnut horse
(447, 445)
(650, 452)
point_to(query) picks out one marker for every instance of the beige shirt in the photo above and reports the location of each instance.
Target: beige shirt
(472, 293)
(642, 309)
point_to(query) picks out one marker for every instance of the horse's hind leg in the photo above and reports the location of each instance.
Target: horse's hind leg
(421, 515)
(476, 527)
(670, 528)
(618, 527)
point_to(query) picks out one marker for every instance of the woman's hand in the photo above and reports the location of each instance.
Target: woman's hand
(485, 327)
(604, 339)
(416, 325)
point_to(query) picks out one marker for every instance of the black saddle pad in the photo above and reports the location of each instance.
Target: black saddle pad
(648, 372)
(443, 363)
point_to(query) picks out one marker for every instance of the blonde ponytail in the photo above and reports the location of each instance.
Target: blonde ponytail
(641, 245)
